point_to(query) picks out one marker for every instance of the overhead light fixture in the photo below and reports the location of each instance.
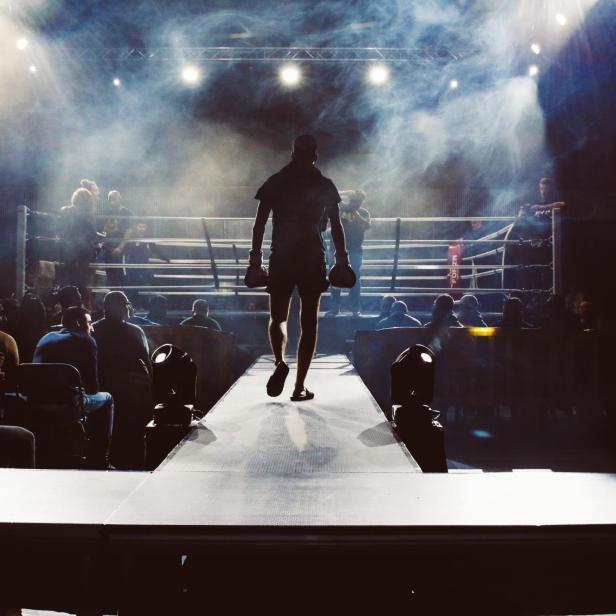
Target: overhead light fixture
(290, 75)
(191, 74)
(561, 19)
(378, 74)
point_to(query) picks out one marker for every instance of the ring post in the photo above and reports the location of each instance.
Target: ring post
(237, 262)
(20, 252)
(394, 272)
(210, 250)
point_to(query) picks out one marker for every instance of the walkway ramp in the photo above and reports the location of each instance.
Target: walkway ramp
(341, 431)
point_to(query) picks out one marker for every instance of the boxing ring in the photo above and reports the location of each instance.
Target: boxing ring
(207, 256)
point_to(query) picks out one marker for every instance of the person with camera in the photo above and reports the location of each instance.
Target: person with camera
(355, 222)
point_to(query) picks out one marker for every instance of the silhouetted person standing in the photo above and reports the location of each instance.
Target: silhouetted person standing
(301, 201)
(117, 232)
(78, 230)
(533, 225)
(355, 222)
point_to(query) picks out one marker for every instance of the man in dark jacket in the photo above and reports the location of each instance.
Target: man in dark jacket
(200, 316)
(399, 317)
(74, 345)
(125, 370)
(467, 311)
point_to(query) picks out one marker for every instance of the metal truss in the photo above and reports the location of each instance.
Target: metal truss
(418, 56)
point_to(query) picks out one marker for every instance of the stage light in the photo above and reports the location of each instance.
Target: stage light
(412, 376)
(191, 74)
(378, 75)
(22, 43)
(482, 434)
(32, 69)
(453, 84)
(412, 389)
(117, 82)
(533, 70)
(290, 75)
(535, 48)
(561, 19)
(174, 381)
(482, 331)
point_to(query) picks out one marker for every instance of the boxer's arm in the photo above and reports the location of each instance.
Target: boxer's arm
(258, 230)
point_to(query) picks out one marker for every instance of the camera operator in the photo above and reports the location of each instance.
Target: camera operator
(355, 222)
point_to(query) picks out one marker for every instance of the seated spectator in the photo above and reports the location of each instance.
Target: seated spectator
(399, 317)
(67, 296)
(9, 355)
(512, 315)
(200, 316)
(11, 316)
(442, 313)
(32, 325)
(467, 311)
(74, 345)
(386, 303)
(157, 310)
(125, 370)
(558, 319)
(136, 319)
(437, 330)
(587, 316)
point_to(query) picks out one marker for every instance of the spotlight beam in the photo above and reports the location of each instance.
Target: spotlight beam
(191, 74)
(290, 75)
(378, 74)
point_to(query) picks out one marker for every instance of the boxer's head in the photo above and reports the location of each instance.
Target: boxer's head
(305, 149)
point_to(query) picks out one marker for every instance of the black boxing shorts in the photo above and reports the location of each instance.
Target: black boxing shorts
(308, 275)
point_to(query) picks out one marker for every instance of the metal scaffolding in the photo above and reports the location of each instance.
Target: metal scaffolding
(422, 56)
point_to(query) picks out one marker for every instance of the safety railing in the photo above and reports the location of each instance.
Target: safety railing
(208, 256)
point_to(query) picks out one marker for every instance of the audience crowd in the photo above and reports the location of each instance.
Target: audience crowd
(111, 353)
(110, 350)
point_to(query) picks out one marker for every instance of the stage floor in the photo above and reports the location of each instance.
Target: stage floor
(266, 495)
(342, 430)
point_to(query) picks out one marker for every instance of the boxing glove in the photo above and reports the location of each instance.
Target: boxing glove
(256, 276)
(342, 276)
